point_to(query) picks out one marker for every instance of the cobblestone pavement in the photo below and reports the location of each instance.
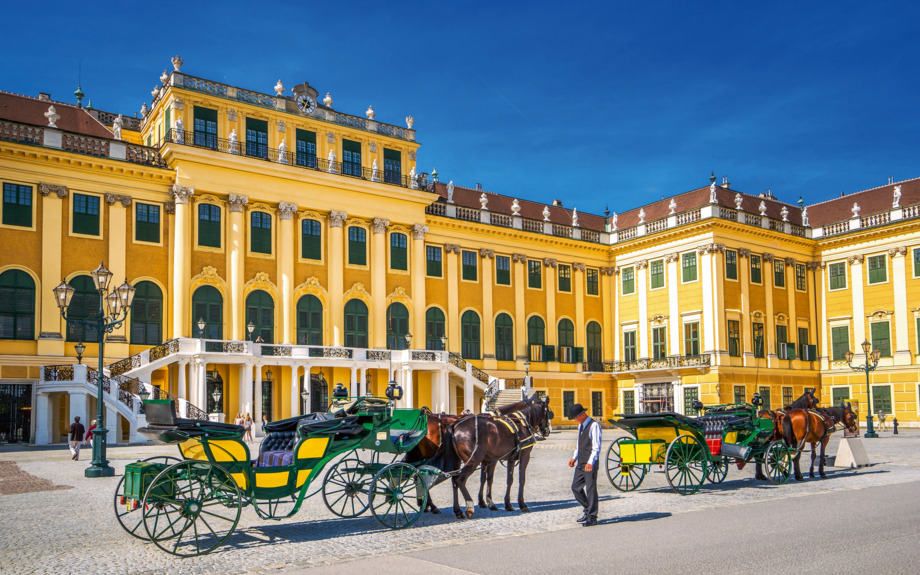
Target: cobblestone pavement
(75, 530)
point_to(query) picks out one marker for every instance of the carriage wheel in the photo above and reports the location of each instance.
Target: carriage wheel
(130, 516)
(623, 481)
(398, 495)
(685, 464)
(777, 462)
(345, 488)
(718, 469)
(192, 507)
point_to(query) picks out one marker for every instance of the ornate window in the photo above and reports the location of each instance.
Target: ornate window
(209, 225)
(355, 323)
(504, 338)
(594, 343)
(659, 342)
(433, 261)
(840, 342)
(398, 252)
(470, 270)
(469, 335)
(309, 320)
(17, 305)
(260, 233)
(397, 326)
(260, 311)
(311, 240)
(147, 314)
(146, 223)
(357, 246)
(881, 337)
(208, 304)
(17, 205)
(434, 328)
(83, 312)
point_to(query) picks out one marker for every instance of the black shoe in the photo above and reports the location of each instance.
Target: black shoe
(590, 523)
(583, 518)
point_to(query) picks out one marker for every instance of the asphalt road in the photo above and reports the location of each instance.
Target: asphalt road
(872, 530)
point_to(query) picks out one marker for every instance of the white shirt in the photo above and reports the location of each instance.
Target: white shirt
(595, 432)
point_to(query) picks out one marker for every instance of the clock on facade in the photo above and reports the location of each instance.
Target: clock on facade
(306, 103)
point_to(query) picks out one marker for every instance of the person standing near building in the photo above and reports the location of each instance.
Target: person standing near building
(89, 434)
(584, 460)
(75, 433)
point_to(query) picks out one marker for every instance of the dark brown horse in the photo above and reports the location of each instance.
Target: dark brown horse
(801, 426)
(483, 440)
(805, 401)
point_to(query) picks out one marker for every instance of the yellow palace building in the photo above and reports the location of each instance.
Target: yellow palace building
(279, 247)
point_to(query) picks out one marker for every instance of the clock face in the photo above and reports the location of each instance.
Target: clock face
(306, 103)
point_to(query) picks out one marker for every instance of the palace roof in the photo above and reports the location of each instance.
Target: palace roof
(28, 110)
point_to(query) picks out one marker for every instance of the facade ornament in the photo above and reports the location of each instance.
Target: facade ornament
(287, 210)
(855, 209)
(116, 127)
(110, 199)
(672, 206)
(784, 213)
(790, 262)
(412, 155)
(208, 275)
(381, 225)
(857, 259)
(164, 77)
(805, 217)
(59, 191)
(641, 264)
(486, 253)
(419, 231)
(519, 258)
(672, 257)
(282, 127)
(744, 253)
(180, 130)
(641, 215)
(450, 192)
(616, 270)
(176, 62)
(762, 208)
(613, 221)
(231, 115)
(234, 142)
(579, 267)
(279, 88)
(574, 217)
(767, 257)
(608, 271)
(181, 194)
(738, 200)
(413, 179)
(897, 251)
(410, 121)
(169, 207)
(328, 100)
(330, 137)
(659, 319)
(812, 266)
(282, 152)
(237, 202)
(260, 279)
(515, 208)
(375, 172)
(370, 113)
(713, 199)
(545, 213)
(550, 262)
(337, 219)
(155, 93)
(372, 146)
(452, 248)
(176, 104)
(331, 159)
(143, 109)
(52, 116)
(896, 202)
(484, 201)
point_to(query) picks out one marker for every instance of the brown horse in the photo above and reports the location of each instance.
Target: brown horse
(482, 440)
(801, 426)
(805, 401)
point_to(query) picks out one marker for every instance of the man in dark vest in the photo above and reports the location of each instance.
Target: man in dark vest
(75, 433)
(584, 460)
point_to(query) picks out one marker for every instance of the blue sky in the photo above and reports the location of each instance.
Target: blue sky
(593, 103)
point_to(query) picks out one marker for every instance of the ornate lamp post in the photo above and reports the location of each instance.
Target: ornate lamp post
(443, 343)
(118, 302)
(870, 365)
(80, 348)
(201, 326)
(250, 328)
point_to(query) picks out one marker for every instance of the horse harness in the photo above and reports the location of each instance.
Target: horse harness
(516, 423)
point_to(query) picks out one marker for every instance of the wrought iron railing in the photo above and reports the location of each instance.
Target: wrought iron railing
(457, 360)
(480, 375)
(593, 366)
(58, 373)
(277, 350)
(379, 355)
(424, 356)
(331, 352)
(515, 383)
(669, 362)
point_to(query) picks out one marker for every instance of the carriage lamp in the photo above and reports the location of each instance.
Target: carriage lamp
(114, 306)
(216, 394)
(143, 393)
(870, 365)
(394, 391)
(443, 343)
(527, 368)
(268, 376)
(340, 391)
(201, 325)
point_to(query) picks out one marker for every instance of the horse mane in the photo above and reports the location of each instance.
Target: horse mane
(836, 412)
(804, 401)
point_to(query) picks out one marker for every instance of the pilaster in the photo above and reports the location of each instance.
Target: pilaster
(674, 326)
(336, 266)
(286, 257)
(642, 291)
(417, 269)
(744, 276)
(453, 296)
(118, 240)
(181, 261)
(488, 314)
(235, 254)
(50, 338)
(578, 284)
(378, 262)
(901, 345)
(519, 262)
(859, 313)
(769, 324)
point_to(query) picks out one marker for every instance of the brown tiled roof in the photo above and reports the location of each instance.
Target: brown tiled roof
(28, 110)
(874, 201)
(498, 203)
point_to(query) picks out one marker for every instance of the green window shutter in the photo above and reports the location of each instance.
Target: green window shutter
(916, 262)
(592, 282)
(549, 353)
(85, 214)
(881, 399)
(534, 274)
(311, 240)
(881, 338)
(392, 166)
(398, 252)
(17, 305)
(261, 233)
(433, 261)
(205, 127)
(503, 270)
(837, 273)
(147, 223)
(840, 342)
(756, 269)
(167, 123)
(878, 269)
(209, 225)
(779, 273)
(565, 278)
(803, 341)
(351, 158)
(688, 262)
(256, 138)
(731, 264)
(357, 246)
(469, 267)
(17, 205)
(305, 148)
(629, 280)
(657, 273)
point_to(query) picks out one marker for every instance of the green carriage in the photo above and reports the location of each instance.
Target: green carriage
(189, 506)
(690, 450)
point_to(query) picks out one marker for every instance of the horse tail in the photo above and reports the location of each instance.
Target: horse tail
(807, 431)
(788, 432)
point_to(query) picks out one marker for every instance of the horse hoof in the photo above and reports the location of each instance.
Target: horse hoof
(823, 476)
(524, 508)
(811, 475)
(435, 511)
(800, 478)
(509, 508)
(469, 513)
(493, 508)
(459, 514)
(760, 477)
(483, 506)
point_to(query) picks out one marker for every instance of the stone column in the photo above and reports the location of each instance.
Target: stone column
(708, 343)
(549, 288)
(192, 383)
(814, 268)
(859, 313)
(578, 284)
(181, 390)
(769, 323)
(50, 339)
(286, 257)
(468, 397)
(236, 254)
(43, 417)
(718, 291)
(378, 262)
(674, 323)
(417, 267)
(202, 400)
(408, 387)
(453, 297)
(793, 323)
(245, 388)
(901, 347)
(79, 408)
(113, 437)
(257, 399)
(295, 390)
(336, 268)
(642, 291)
(488, 315)
(520, 312)
(608, 307)
(181, 261)
(744, 278)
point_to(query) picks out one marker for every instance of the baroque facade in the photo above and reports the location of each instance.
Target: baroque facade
(279, 247)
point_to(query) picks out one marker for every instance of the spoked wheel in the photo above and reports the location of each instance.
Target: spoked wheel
(128, 511)
(626, 479)
(191, 508)
(398, 495)
(685, 464)
(346, 488)
(717, 471)
(777, 462)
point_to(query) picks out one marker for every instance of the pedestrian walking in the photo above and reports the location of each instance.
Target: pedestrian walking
(584, 460)
(882, 425)
(89, 434)
(75, 433)
(247, 424)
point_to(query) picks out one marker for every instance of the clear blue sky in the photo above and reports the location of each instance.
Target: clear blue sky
(591, 103)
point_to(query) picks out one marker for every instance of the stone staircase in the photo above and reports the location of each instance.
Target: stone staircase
(504, 397)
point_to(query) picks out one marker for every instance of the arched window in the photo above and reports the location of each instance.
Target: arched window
(309, 321)
(260, 311)
(566, 333)
(208, 304)
(593, 332)
(434, 328)
(469, 335)
(147, 314)
(504, 338)
(397, 326)
(536, 331)
(84, 306)
(355, 323)
(17, 305)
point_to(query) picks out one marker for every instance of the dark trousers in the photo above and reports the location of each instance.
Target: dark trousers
(584, 487)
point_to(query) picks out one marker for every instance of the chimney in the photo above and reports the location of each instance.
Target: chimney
(557, 203)
(44, 96)
(725, 183)
(478, 187)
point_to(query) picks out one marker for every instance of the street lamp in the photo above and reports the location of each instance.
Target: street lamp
(80, 348)
(216, 395)
(443, 343)
(250, 327)
(870, 365)
(201, 325)
(118, 302)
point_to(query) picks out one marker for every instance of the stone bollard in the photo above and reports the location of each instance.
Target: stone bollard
(895, 423)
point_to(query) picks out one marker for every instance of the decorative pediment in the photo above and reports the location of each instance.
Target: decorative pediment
(311, 215)
(208, 275)
(659, 319)
(399, 295)
(260, 281)
(208, 199)
(880, 314)
(757, 314)
(259, 206)
(357, 290)
(312, 286)
(781, 318)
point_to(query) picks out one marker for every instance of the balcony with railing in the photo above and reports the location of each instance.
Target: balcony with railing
(648, 364)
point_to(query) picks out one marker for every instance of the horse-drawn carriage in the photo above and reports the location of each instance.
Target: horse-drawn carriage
(190, 506)
(691, 449)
